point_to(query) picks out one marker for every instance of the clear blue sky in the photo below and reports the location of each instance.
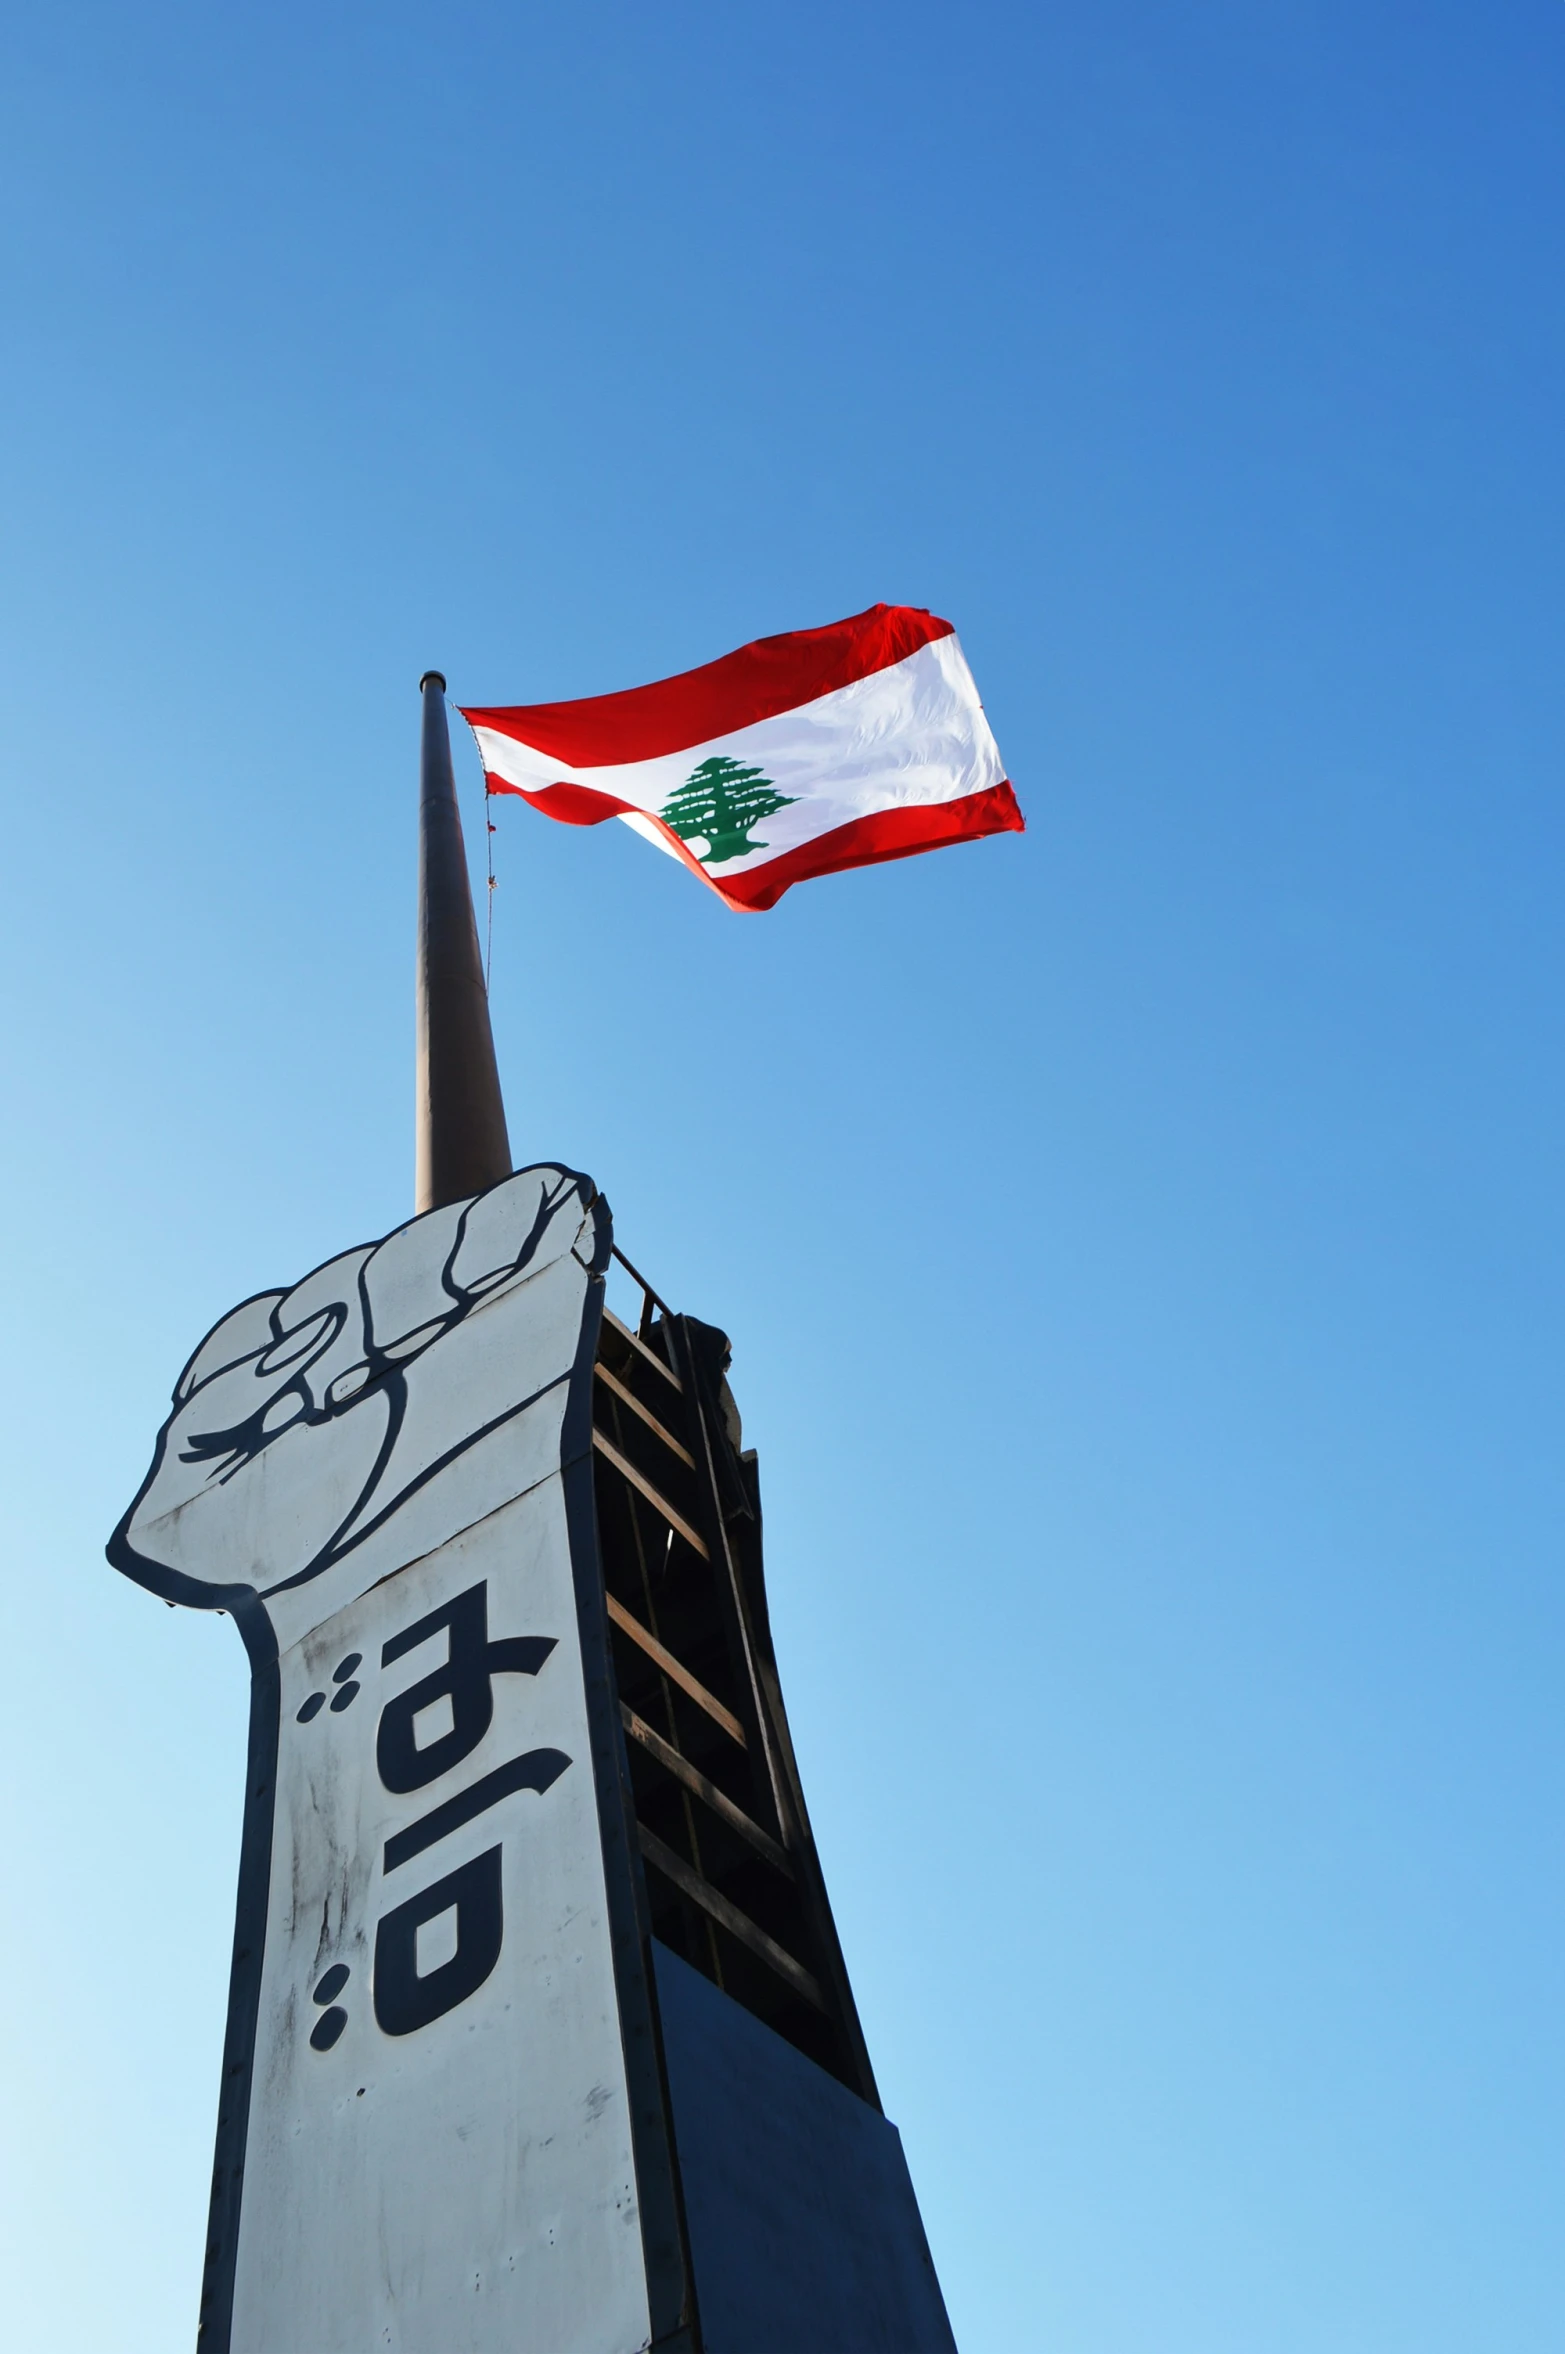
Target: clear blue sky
(1141, 1240)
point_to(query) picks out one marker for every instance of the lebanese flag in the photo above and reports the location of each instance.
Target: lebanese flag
(796, 756)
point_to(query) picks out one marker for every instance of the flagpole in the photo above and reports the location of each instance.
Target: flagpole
(461, 1144)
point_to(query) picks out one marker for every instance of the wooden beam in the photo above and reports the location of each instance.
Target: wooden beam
(616, 1387)
(675, 1670)
(707, 1791)
(660, 1504)
(728, 1916)
(640, 1346)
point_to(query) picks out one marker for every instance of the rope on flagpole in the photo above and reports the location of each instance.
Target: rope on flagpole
(489, 835)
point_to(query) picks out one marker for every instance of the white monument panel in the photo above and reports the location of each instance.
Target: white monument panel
(465, 2182)
(425, 2141)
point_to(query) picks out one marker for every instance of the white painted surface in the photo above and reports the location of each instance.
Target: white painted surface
(470, 2187)
(358, 1451)
(325, 1436)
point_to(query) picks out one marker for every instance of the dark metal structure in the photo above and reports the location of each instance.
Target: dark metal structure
(732, 1879)
(461, 1141)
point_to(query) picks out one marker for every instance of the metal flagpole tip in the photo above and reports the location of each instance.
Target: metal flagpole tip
(433, 678)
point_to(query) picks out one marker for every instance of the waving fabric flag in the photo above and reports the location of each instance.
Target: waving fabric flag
(795, 756)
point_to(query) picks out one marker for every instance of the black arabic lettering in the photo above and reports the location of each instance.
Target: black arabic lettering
(464, 1677)
(403, 2000)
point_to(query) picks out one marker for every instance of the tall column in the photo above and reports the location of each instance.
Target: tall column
(461, 1141)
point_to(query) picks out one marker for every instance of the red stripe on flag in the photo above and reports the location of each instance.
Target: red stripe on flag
(864, 841)
(771, 675)
(870, 841)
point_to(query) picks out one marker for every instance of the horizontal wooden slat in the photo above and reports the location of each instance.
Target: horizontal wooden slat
(707, 1791)
(728, 1916)
(640, 1346)
(675, 1670)
(616, 1387)
(660, 1504)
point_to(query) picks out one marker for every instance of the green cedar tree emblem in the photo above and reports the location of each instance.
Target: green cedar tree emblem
(718, 803)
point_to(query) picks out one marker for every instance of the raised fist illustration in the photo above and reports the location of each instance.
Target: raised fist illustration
(321, 1423)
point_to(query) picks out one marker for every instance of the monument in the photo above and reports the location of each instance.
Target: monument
(540, 2039)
